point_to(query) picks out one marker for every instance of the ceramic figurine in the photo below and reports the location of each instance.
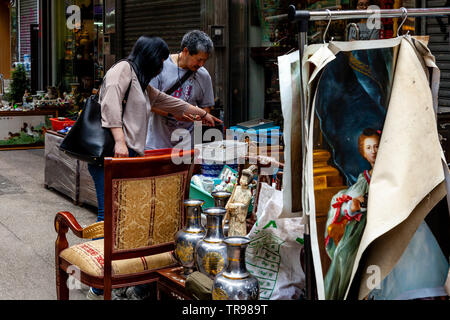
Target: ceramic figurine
(237, 215)
(237, 206)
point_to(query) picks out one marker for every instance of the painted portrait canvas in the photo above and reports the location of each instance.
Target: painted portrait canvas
(371, 137)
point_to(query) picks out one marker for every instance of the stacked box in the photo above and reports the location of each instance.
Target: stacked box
(61, 171)
(264, 136)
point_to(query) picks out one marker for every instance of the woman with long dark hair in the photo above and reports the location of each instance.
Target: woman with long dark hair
(129, 126)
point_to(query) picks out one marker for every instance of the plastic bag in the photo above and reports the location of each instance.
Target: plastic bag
(273, 255)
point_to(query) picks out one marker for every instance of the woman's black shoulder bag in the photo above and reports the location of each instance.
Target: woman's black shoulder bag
(87, 140)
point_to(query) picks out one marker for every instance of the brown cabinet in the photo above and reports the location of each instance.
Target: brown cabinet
(171, 285)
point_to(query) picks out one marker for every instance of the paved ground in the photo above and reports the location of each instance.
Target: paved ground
(27, 234)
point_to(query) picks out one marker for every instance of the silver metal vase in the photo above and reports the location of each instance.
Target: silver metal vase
(186, 239)
(220, 200)
(235, 282)
(210, 254)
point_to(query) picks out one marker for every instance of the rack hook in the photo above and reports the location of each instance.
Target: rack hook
(347, 31)
(405, 16)
(328, 25)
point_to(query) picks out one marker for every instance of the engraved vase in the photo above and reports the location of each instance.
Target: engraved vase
(235, 282)
(186, 239)
(220, 200)
(210, 254)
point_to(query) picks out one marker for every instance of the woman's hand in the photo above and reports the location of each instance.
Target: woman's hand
(210, 120)
(121, 150)
(120, 147)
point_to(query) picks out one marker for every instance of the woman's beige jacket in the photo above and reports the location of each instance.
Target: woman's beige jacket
(138, 107)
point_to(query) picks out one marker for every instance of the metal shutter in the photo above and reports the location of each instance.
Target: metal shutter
(28, 15)
(440, 48)
(169, 19)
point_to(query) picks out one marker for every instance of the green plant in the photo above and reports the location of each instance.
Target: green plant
(18, 85)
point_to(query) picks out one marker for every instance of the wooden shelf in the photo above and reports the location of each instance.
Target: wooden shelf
(56, 133)
(41, 112)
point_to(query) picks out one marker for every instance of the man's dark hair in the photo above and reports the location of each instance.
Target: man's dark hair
(196, 41)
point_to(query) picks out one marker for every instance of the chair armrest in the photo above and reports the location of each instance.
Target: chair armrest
(65, 220)
(95, 230)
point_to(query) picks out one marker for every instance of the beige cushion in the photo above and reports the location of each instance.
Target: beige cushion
(89, 257)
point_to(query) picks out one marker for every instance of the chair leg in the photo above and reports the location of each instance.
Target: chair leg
(158, 292)
(62, 292)
(107, 292)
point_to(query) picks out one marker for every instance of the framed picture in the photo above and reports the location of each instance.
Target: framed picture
(24, 130)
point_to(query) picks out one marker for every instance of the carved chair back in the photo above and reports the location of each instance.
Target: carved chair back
(143, 205)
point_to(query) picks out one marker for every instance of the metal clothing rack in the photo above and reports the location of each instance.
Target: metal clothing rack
(302, 18)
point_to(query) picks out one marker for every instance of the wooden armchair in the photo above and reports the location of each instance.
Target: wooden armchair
(143, 211)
